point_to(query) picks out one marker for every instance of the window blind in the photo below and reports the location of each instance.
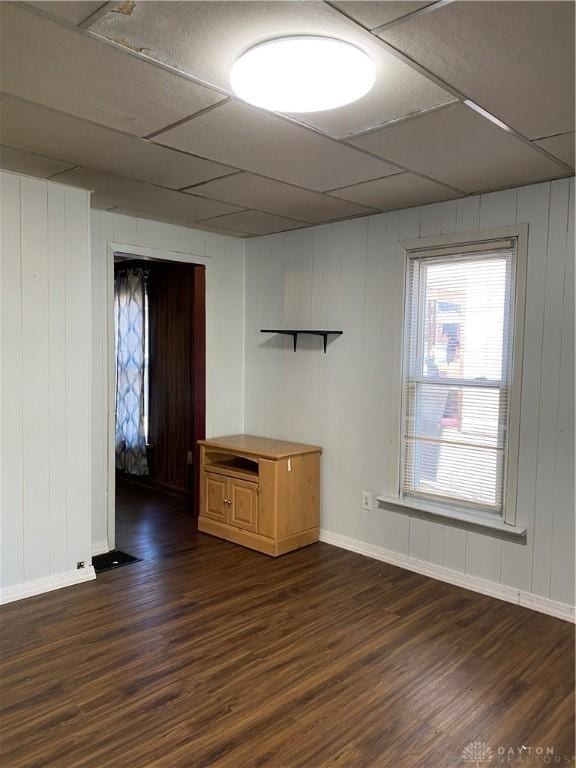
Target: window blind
(456, 375)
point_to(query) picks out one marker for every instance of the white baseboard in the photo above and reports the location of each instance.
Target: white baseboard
(545, 605)
(485, 587)
(100, 547)
(46, 584)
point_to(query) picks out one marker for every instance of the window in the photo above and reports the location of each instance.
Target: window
(458, 378)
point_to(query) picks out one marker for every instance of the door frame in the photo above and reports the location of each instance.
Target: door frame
(144, 253)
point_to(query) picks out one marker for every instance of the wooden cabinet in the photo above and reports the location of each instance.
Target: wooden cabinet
(261, 493)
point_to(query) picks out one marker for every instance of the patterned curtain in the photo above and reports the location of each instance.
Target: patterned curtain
(129, 308)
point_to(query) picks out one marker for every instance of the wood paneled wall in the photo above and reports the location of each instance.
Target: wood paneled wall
(46, 371)
(176, 294)
(349, 276)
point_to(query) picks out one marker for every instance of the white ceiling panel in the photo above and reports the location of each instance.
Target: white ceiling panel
(400, 191)
(69, 10)
(459, 147)
(514, 59)
(30, 164)
(205, 38)
(119, 192)
(254, 222)
(561, 146)
(276, 197)
(375, 14)
(177, 222)
(59, 67)
(47, 132)
(238, 135)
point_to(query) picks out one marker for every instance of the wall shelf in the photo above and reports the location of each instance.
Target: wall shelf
(295, 333)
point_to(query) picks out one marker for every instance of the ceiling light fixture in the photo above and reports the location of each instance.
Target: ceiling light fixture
(302, 74)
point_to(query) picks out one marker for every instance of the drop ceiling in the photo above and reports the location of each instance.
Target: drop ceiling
(132, 101)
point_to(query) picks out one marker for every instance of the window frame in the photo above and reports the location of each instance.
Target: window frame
(459, 245)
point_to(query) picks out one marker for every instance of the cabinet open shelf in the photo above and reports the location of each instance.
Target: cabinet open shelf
(234, 466)
(295, 333)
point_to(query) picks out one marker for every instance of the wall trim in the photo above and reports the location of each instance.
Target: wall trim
(100, 547)
(474, 583)
(46, 584)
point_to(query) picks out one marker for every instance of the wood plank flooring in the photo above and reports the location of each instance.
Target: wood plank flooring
(207, 654)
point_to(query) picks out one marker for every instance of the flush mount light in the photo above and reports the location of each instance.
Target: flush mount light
(302, 74)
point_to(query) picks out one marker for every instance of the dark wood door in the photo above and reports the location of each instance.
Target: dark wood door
(177, 400)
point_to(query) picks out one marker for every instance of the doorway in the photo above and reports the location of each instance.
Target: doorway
(159, 408)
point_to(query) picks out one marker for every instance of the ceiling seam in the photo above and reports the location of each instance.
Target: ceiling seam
(59, 173)
(175, 222)
(134, 136)
(96, 15)
(257, 210)
(391, 23)
(553, 136)
(188, 118)
(347, 137)
(328, 197)
(409, 16)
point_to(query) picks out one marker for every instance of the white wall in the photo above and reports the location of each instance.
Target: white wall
(45, 385)
(348, 276)
(223, 257)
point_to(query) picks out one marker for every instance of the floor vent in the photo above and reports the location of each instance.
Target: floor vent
(113, 559)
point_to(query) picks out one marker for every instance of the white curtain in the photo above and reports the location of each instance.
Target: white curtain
(129, 309)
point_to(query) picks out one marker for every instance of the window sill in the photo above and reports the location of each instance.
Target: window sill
(436, 510)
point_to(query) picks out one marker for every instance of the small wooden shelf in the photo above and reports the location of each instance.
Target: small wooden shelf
(295, 333)
(237, 466)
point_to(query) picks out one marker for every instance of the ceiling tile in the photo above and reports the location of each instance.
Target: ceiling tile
(247, 138)
(276, 197)
(177, 222)
(30, 164)
(59, 67)
(457, 146)
(69, 10)
(254, 222)
(400, 191)
(374, 14)
(120, 192)
(205, 38)
(39, 129)
(561, 146)
(514, 59)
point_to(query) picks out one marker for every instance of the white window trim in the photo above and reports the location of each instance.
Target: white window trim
(508, 522)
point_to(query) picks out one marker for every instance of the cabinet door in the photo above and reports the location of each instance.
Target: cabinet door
(215, 503)
(244, 507)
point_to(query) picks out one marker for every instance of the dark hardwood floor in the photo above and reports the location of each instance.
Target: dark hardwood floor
(207, 654)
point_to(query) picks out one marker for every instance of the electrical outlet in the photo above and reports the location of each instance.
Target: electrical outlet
(367, 500)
